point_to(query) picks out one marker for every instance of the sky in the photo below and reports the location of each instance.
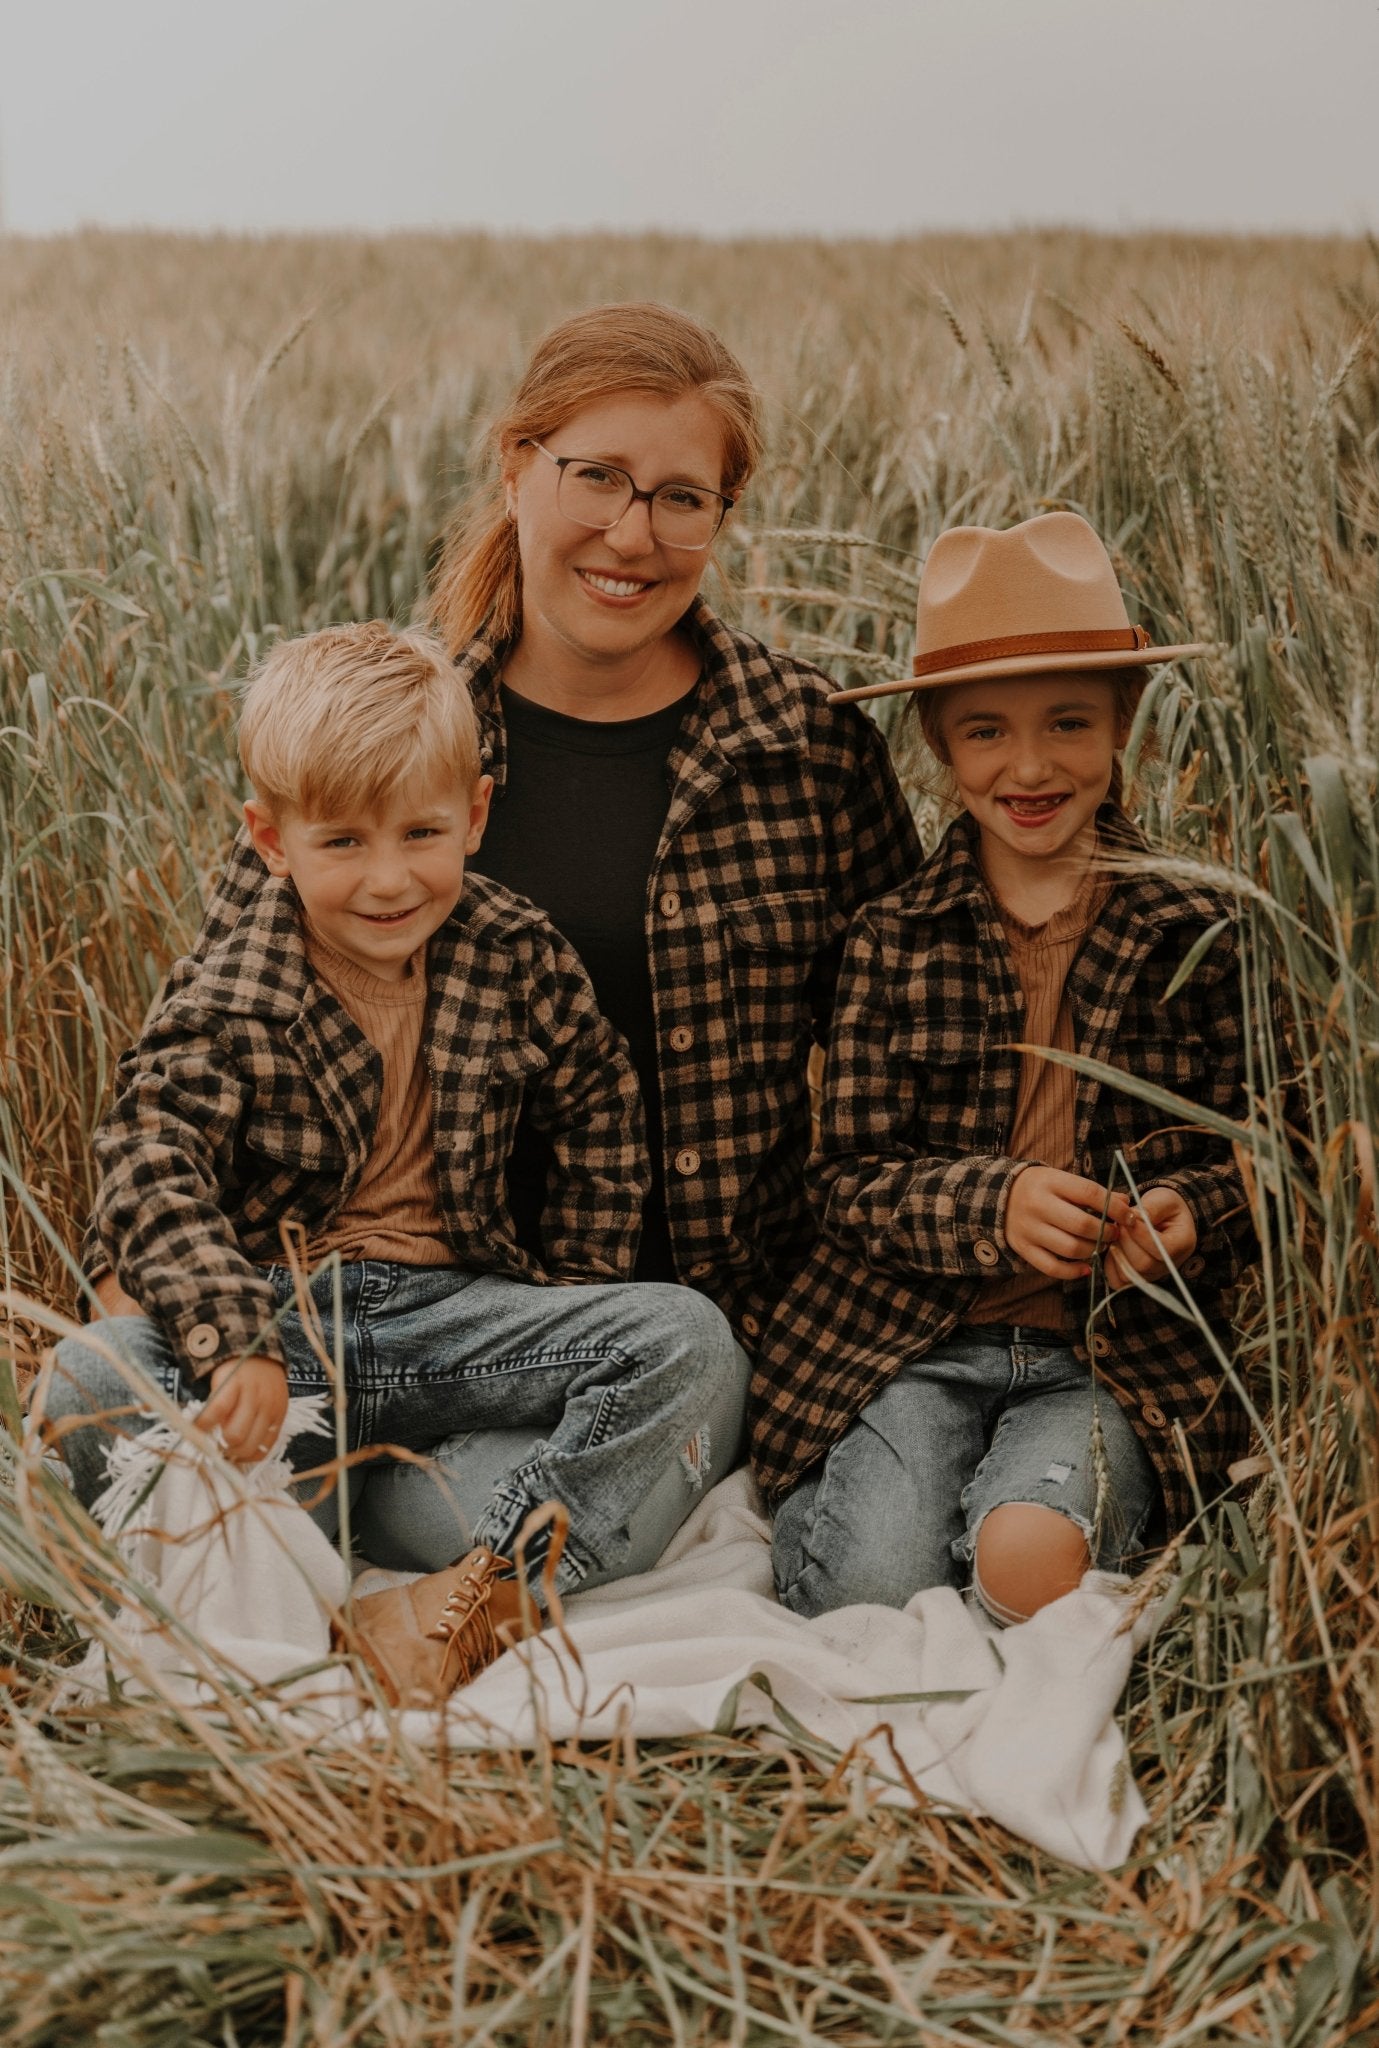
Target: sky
(720, 117)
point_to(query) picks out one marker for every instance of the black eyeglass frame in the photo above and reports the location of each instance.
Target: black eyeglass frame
(648, 498)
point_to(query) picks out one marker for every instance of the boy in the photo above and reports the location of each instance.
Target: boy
(352, 1060)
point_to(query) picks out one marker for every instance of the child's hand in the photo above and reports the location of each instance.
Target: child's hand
(1054, 1220)
(248, 1402)
(1134, 1252)
(113, 1298)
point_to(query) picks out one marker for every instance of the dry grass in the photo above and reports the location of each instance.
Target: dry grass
(181, 479)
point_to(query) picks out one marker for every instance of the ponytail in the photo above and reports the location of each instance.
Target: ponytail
(479, 580)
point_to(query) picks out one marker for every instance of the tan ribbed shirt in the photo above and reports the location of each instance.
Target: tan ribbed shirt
(394, 1212)
(1040, 957)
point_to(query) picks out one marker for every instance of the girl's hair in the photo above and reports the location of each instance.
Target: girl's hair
(343, 719)
(926, 711)
(599, 354)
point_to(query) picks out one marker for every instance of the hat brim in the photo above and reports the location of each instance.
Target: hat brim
(1022, 665)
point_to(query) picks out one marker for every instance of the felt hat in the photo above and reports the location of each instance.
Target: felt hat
(1041, 596)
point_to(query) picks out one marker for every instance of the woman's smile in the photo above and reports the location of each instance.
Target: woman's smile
(619, 588)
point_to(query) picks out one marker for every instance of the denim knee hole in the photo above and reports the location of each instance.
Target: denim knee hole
(999, 1614)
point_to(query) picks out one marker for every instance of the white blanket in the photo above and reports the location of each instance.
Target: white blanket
(1019, 1725)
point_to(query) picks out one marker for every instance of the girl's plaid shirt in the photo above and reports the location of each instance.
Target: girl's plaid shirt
(911, 1177)
(785, 816)
(252, 1097)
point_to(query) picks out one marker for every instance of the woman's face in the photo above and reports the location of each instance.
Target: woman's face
(606, 595)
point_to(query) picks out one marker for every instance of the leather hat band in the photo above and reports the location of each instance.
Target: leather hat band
(1114, 640)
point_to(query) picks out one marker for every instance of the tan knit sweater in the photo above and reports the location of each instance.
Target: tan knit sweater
(394, 1212)
(1040, 956)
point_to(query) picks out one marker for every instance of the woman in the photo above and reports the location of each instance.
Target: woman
(686, 806)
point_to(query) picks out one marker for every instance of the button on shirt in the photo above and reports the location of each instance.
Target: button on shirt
(576, 829)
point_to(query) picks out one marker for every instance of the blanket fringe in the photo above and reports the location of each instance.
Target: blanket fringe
(135, 1462)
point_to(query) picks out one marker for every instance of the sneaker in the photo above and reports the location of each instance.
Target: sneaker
(435, 1633)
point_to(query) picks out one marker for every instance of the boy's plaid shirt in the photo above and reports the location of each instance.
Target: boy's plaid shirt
(911, 1176)
(785, 817)
(252, 1098)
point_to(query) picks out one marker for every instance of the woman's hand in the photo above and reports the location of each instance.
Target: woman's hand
(1135, 1253)
(1054, 1220)
(248, 1402)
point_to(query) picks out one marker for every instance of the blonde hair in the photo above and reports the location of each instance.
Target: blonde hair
(339, 720)
(639, 346)
(926, 711)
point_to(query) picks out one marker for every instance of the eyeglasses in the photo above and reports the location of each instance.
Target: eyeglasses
(596, 495)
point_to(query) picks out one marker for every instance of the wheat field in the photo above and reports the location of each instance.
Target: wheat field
(207, 443)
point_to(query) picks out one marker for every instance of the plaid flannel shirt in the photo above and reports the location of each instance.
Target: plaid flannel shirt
(785, 817)
(252, 1099)
(912, 1177)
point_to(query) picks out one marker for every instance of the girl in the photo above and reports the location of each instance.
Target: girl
(965, 1383)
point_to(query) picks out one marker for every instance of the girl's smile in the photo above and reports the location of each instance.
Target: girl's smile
(1032, 811)
(1032, 757)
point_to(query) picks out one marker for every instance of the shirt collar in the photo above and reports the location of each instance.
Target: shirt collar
(746, 701)
(953, 875)
(261, 969)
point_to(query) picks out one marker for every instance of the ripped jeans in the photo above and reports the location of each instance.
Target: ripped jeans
(990, 1415)
(623, 1402)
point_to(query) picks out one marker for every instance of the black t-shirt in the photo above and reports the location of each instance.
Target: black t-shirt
(576, 829)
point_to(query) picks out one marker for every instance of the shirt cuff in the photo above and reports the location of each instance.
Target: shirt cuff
(952, 1219)
(217, 1332)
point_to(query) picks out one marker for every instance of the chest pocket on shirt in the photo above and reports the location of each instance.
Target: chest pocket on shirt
(943, 1052)
(516, 1063)
(305, 1143)
(773, 942)
(1158, 1140)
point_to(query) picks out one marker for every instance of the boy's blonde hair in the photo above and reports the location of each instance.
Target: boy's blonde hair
(337, 721)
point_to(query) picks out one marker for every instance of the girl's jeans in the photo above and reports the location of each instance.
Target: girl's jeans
(992, 1414)
(621, 1402)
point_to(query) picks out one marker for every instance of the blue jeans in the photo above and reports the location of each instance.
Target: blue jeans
(988, 1416)
(417, 1517)
(606, 1387)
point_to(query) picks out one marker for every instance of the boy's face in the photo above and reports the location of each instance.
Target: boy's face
(1032, 758)
(376, 884)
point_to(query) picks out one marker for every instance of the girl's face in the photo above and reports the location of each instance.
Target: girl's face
(1032, 758)
(603, 596)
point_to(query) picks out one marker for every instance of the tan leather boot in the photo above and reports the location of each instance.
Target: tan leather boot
(425, 1638)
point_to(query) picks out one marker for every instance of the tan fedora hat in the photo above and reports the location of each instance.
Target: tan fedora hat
(1041, 596)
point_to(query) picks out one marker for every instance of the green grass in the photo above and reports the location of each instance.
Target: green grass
(186, 470)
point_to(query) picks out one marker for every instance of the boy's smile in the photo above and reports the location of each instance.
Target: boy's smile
(1032, 757)
(378, 883)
